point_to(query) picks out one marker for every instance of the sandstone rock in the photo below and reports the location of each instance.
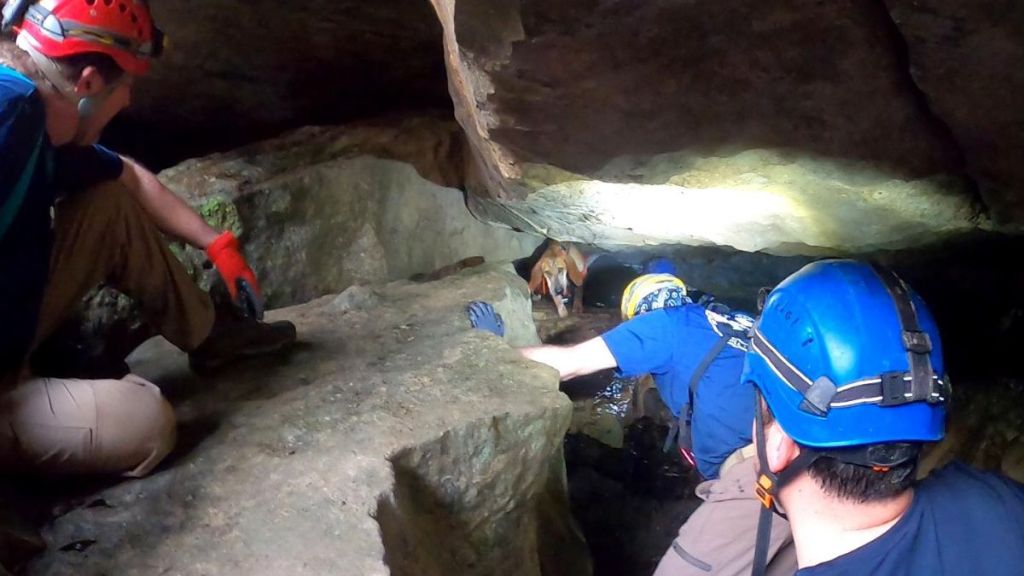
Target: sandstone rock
(793, 129)
(554, 98)
(968, 59)
(394, 440)
(756, 200)
(316, 213)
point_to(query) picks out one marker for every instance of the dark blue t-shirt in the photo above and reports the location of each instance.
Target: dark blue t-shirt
(670, 344)
(26, 234)
(962, 522)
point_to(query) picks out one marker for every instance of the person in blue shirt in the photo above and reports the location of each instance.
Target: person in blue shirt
(74, 214)
(847, 363)
(689, 350)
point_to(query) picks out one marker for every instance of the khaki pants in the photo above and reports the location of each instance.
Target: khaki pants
(719, 537)
(102, 426)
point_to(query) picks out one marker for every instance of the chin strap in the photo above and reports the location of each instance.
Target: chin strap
(768, 486)
(51, 71)
(86, 105)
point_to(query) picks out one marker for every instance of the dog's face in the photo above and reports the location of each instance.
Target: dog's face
(555, 271)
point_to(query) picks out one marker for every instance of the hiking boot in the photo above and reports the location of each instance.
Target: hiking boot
(235, 337)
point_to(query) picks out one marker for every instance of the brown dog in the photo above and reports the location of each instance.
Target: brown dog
(560, 272)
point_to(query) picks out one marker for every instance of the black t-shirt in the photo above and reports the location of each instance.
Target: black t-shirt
(962, 522)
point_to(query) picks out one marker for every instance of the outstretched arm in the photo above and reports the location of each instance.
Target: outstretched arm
(572, 361)
(170, 213)
(173, 216)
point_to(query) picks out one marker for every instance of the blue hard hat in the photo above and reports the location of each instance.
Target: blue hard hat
(845, 354)
(660, 266)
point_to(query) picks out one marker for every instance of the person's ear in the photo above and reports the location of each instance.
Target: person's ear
(90, 82)
(780, 449)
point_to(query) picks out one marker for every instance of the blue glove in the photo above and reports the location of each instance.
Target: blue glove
(483, 317)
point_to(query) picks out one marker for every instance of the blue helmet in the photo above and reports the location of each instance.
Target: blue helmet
(846, 355)
(660, 265)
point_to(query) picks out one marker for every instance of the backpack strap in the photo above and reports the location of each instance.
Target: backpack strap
(13, 203)
(685, 439)
(681, 429)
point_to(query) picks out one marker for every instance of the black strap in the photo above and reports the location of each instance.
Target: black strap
(915, 341)
(765, 491)
(673, 433)
(686, 441)
(763, 541)
(768, 485)
(886, 389)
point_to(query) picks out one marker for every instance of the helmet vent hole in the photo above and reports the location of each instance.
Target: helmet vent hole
(108, 2)
(122, 7)
(90, 2)
(135, 19)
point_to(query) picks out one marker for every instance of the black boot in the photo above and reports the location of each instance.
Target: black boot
(235, 336)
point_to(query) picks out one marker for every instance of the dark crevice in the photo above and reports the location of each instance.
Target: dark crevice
(940, 128)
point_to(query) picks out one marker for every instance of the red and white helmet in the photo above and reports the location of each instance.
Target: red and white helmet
(122, 29)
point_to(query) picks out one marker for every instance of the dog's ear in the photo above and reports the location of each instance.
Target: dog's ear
(536, 277)
(575, 274)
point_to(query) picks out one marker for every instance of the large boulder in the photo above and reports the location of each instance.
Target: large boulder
(320, 209)
(394, 440)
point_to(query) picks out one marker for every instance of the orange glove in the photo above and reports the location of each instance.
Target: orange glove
(239, 278)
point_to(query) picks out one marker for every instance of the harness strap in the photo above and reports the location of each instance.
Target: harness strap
(13, 203)
(695, 380)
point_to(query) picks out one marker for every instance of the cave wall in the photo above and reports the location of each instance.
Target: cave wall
(577, 84)
(968, 58)
(825, 117)
(237, 71)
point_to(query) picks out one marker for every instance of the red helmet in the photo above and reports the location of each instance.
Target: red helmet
(122, 29)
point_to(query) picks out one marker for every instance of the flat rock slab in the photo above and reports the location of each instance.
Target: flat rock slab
(394, 440)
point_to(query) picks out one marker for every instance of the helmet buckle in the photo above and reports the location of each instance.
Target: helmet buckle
(916, 342)
(894, 389)
(818, 398)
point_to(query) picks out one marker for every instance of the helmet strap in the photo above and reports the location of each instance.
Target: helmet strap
(769, 483)
(86, 105)
(50, 70)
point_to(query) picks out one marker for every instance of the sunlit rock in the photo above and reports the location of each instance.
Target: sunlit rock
(757, 200)
(795, 130)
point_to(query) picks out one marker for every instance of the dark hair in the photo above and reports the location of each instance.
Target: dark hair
(861, 484)
(855, 482)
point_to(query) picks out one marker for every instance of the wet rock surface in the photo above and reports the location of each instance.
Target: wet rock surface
(394, 439)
